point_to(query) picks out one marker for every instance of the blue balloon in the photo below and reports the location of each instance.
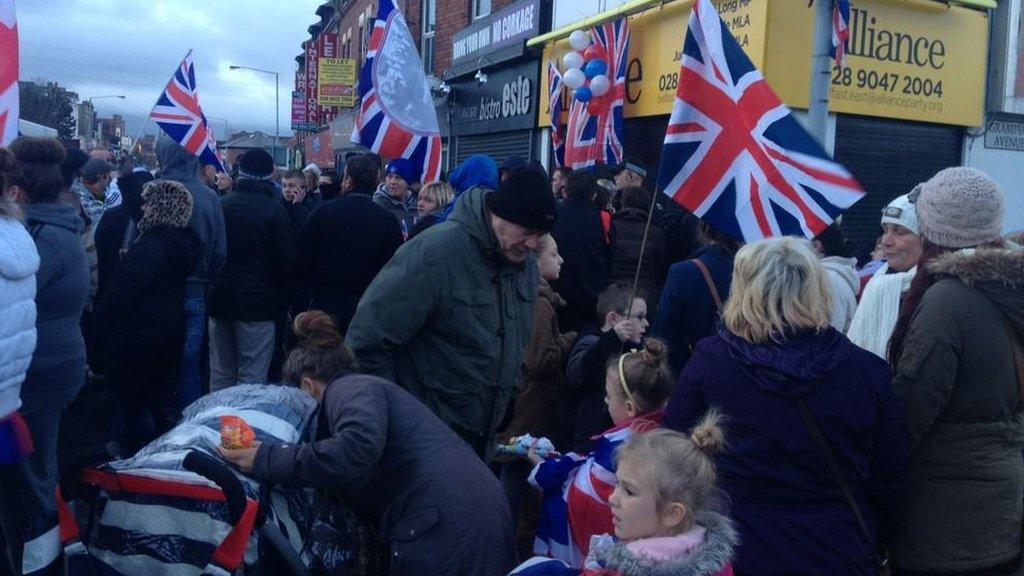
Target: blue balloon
(583, 94)
(594, 68)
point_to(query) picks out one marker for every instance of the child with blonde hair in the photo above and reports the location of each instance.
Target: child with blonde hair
(577, 486)
(662, 510)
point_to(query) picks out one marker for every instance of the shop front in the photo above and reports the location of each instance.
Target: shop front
(494, 97)
(915, 80)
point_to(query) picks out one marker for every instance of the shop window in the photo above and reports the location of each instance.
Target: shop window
(427, 38)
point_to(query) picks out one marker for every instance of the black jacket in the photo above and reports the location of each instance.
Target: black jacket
(345, 242)
(299, 212)
(629, 227)
(261, 255)
(110, 239)
(581, 402)
(587, 251)
(142, 311)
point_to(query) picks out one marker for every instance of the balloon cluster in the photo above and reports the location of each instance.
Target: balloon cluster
(586, 72)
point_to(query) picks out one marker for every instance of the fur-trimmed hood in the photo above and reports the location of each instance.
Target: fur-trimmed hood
(998, 273)
(709, 559)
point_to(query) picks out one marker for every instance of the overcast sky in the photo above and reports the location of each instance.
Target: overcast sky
(131, 47)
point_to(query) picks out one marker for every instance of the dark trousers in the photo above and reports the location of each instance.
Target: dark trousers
(142, 418)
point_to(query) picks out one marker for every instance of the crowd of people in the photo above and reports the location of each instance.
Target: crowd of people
(524, 373)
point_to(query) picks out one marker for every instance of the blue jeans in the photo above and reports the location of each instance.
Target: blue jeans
(191, 387)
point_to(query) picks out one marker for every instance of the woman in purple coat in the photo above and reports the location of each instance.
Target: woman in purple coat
(776, 353)
(436, 507)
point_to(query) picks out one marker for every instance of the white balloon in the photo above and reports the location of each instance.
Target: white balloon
(572, 60)
(599, 85)
(573, 78)
(579, 39)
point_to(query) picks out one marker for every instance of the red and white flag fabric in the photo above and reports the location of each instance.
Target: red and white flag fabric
(396, 116)
(598, 138)
(8, 73)
(734, 155)
(178, 113)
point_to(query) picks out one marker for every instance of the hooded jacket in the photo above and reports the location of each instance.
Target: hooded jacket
(119, 227)
(791, 514)
(142, 312)
(961, 407)
(62, 289)
(207, 217)
(403, 211)
(19, 262)
(261, 255)
(448, 319)
(845, 284)
(477, 171)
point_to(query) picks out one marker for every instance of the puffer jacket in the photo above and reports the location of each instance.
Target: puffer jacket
(956, 381)
(448, 319)
(19, 262)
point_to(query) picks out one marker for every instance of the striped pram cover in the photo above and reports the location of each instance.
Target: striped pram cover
(155, 518)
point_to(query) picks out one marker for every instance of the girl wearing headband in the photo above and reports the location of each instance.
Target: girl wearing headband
(576, 486)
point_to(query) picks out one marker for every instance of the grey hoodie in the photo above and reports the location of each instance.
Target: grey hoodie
(62, 288)
(207, 219)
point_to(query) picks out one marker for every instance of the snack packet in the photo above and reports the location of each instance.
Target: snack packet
(235, 434)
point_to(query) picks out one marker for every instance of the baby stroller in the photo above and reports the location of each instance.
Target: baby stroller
(175, 508)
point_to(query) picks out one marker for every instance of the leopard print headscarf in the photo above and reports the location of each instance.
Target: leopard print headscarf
(165, 202)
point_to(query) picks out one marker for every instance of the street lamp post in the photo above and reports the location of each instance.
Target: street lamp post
(277, 101)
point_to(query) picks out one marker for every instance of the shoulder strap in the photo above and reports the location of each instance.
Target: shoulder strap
(833, 465)
(711, 283)
(1018, 355)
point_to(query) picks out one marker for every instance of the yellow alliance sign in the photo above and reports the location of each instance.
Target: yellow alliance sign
(903, 61)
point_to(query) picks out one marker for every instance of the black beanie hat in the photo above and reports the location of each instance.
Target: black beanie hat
(256, 164)
(525, 198)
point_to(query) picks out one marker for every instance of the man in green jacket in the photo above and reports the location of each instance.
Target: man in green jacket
(449, 316)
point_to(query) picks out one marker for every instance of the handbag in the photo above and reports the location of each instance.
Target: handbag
(881, 557)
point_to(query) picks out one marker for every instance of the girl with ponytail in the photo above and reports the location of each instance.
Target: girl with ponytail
(663, 511)
(383, 454)
(575, 486)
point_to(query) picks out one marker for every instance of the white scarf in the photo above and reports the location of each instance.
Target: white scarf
(879, 309)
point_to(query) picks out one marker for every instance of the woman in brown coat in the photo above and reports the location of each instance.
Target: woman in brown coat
(543, 373)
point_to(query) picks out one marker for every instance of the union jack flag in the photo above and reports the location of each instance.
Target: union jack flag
(396, 115)
(598, 139)
(576, 491)
(555, 103)
(734, 155)
(840, 29)
(178, 113)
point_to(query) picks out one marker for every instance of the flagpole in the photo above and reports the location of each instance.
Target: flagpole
(821, 70)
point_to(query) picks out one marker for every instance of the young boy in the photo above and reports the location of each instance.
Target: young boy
(581, 405)
(296, 197)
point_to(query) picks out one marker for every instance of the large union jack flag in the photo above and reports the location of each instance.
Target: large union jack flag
(735, 155)
(555, 103)
(598, 139)
(178, 113)
(396, 115)
(840, 29)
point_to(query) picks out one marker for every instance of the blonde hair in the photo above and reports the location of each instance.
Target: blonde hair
(679, 466)
(440, 192)
(778, 285)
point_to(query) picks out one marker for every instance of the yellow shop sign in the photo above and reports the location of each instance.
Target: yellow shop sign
(655, 46)
(904, 61)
